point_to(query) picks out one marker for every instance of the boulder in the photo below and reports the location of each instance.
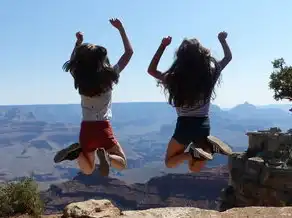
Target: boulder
(104, 208)
(91, 209)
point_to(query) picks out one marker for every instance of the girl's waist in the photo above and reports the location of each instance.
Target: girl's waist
(195, 111)
(96, 123)
(193, 118)
(92, 115)
(194, 121)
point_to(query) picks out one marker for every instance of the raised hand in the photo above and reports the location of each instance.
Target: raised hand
(166, 41)
(222, 36)
(125, 58)
(227, 52)
(116, 23)
(79, 37)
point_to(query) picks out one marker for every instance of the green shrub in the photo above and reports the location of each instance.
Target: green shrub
(20, 197)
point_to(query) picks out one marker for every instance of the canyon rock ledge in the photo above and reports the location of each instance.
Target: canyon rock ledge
(104, 208)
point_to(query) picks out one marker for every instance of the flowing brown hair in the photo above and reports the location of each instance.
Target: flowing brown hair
(191, 79)
(91, 70)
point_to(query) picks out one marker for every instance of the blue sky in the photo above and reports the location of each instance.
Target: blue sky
(37, 37)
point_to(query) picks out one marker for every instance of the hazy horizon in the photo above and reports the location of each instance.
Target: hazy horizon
(225, 108)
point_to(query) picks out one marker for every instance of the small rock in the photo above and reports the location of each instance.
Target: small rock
(91, 209)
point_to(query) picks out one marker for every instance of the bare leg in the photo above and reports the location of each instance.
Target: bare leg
(86, 162)
(195, 165)
(117, 157)
(175, 154)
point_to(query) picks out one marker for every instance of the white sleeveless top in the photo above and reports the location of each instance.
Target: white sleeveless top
(201, 109)
(98, 108)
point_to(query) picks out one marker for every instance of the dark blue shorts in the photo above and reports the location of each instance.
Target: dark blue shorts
(191, 129)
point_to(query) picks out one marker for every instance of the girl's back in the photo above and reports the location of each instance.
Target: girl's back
(191, 79)
(201, 107)
(94, 78)
(98, 107)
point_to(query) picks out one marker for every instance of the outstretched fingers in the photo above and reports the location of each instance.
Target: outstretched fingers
(116, 23)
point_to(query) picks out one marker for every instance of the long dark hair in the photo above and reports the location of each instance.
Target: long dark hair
(191, 78)
(91, 70)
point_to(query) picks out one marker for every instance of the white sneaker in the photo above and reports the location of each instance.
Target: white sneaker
(199, 152)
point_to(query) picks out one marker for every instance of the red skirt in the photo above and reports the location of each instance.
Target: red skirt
(96, 134)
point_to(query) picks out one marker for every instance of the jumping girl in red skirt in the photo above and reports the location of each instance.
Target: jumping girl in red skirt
(94, 78)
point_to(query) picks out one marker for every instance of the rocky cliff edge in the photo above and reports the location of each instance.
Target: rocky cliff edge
(104, 208)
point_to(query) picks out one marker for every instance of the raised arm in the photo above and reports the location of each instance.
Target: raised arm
(125, 58)
(79, 40)
(227, 52)
(152, 69)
